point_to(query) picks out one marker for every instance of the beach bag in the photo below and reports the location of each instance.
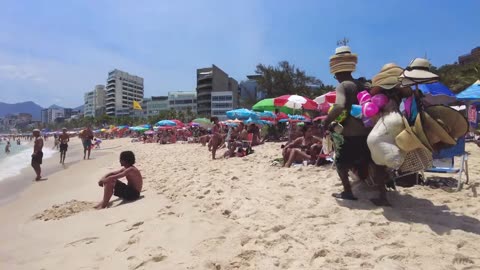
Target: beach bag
(381, 141)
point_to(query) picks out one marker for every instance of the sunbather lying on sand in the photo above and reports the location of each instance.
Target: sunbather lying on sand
(307, 147)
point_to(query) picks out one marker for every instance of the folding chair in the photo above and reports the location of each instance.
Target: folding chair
(444, 162)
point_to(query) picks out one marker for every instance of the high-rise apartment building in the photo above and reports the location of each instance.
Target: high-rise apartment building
(154, 105)
(216, 92)
(122, 89)
(95, 102)
(183, 101)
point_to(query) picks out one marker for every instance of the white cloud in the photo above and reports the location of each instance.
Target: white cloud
(17, 72)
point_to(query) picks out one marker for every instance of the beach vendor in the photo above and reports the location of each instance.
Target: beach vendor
(353, 151)
(64, 138)
(37, 154)
(384, 98)
(113, 186)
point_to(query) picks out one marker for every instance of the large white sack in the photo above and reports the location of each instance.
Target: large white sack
(381, 141)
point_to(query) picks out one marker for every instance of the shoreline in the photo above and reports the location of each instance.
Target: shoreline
(11, 188)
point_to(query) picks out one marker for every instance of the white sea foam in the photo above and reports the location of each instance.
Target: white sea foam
(13, 163)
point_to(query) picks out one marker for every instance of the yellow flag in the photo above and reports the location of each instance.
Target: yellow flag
(136, 105)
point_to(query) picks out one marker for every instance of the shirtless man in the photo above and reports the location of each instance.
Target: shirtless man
(113, 186)
(87, 137)
(37, 155)
(64, 139)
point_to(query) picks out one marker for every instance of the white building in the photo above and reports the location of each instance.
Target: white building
(50, 114)
(154, 105)
(122, 89)
(183, 101)
(95, 102)
(221, 103)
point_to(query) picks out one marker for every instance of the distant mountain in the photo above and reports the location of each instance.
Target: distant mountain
(55, 106)
(22, 107)
(79, 108)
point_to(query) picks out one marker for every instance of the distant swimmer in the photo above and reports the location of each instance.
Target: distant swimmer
(113, 186)
(64, 138)
(37, 155)
(7, 148)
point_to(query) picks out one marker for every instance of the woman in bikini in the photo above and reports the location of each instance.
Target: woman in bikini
(303, 148)
(216, 138)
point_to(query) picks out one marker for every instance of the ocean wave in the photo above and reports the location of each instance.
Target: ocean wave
(13, 164)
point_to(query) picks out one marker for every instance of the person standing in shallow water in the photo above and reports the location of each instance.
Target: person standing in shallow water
(37, 155)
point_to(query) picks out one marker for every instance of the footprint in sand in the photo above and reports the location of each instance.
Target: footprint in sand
(113, 223)
(134, 226)
(131, 241)
(153, 255)
(86, 241)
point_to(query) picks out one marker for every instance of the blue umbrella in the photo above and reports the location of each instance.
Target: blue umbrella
(437, 93)
(471, 93)
(164, 123)
(242, 114)
(267, 114)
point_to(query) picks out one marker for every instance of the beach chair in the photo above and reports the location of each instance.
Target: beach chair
(444, 162)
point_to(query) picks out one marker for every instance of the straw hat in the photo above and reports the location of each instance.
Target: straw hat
(387, 78)
(407, 140)
(452, 121)
(417, 72)
(36, 130)
(430, 132)
(343, 60)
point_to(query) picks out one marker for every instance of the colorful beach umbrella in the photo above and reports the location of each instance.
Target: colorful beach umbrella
(242, 113)
(295, 102)
(203, 122)
(437, 93)
(471, 93)
(178, 122)
(163, 123)
(268, 105)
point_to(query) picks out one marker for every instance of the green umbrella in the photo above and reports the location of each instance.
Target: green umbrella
(203, 122)
(267, 105)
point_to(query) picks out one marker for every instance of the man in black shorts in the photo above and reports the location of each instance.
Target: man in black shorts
(113, 186)
(37, 155)
(64, 139)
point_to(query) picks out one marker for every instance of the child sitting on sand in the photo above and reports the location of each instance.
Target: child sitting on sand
(113, 186)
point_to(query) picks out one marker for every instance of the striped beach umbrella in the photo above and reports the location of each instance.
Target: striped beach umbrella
(295, 102)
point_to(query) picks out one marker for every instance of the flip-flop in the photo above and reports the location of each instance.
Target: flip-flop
(344, 196)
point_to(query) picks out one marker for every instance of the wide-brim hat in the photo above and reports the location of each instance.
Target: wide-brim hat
(430, 132)
(407, 140)
(452, 121)
(418, 72)
(343, 60)
(388, 76)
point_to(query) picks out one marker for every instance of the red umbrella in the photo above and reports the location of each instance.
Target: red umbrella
(295, 102)
(329, 97)
(178, 122)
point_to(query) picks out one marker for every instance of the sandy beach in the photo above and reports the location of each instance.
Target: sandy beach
(240, 213)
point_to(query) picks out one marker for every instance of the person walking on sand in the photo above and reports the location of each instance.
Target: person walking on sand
(64, 138)
(216, 139)
(354, 151)
(87, 136)
(113, 186)
(37, 155)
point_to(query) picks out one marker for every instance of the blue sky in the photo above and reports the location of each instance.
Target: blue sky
(54, 51)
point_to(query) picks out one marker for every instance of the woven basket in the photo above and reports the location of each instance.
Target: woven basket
(417, 160)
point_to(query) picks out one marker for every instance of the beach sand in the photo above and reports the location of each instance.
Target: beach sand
(240, 213)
